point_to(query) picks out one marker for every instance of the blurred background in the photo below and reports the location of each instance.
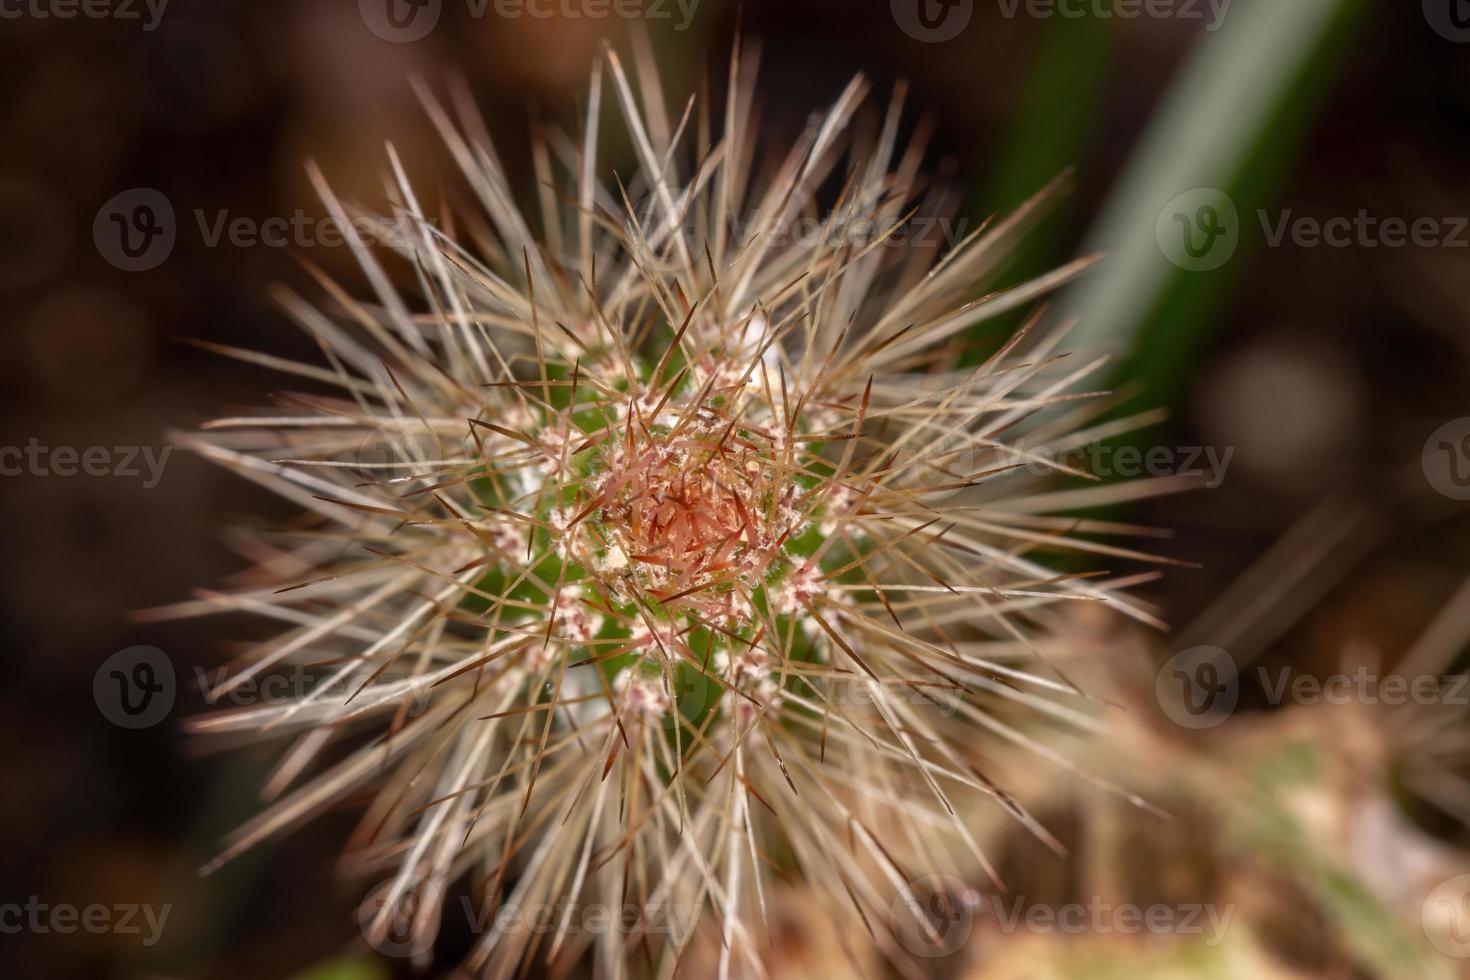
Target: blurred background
(1245, 165)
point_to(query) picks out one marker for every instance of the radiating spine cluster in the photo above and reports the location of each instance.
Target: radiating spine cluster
(661, 557)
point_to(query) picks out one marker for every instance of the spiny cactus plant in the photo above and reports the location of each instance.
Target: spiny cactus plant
(663, 551)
